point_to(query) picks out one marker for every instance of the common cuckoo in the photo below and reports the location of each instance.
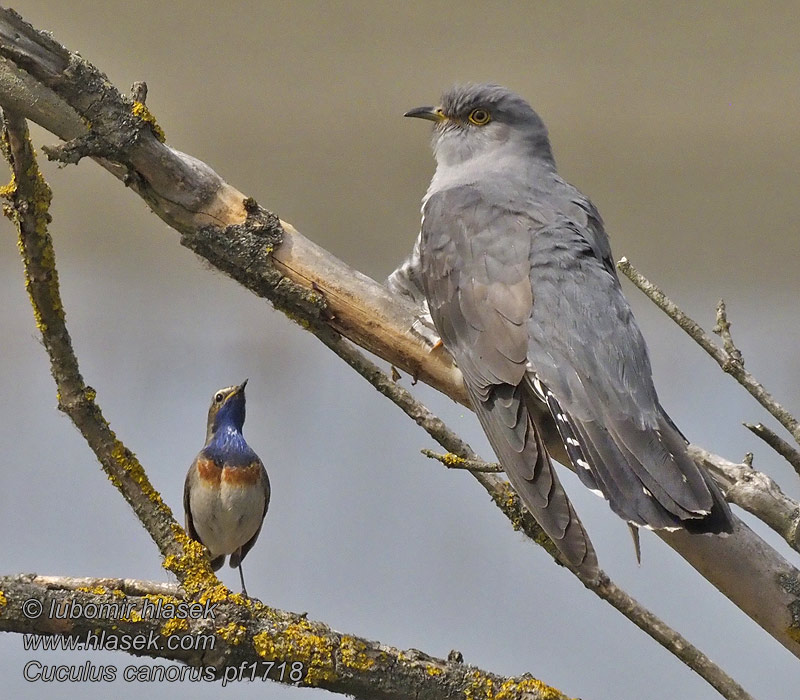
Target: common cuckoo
(514, 267)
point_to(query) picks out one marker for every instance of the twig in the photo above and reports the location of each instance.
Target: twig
(723, 329)
(777, 443)
(731, 364)
(128, 586)
(452, 461)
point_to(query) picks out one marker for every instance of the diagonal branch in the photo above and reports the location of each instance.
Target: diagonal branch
(509, 503)
(777, 443)
(728, 357)
(322, 293)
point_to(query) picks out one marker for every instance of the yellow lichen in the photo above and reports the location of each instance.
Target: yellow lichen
(3, 600)
(299, 641)
(94, 590)
(135, 616)
(233, 633)
(483, 687)
(140, 110)
(10, 190)
(192, 568)
(174, 624)
(126, 460)
(452, 460)
(353, 654)
(480, 687)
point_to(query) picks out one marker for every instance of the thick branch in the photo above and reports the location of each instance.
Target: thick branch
(236, 638)
(322, 292)
(755, 492)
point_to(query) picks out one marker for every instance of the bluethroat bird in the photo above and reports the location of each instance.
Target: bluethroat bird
(226, 494)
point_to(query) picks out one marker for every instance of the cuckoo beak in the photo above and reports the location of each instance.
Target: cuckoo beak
(432, 114)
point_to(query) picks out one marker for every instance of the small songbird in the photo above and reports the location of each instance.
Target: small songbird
(226, 494)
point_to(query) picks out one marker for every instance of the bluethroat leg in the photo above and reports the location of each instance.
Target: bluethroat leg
(241, 578)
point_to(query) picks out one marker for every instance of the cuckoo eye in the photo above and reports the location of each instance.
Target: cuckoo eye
(479, 117)
(219, 397)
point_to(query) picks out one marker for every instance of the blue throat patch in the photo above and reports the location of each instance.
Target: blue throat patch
(229, 448)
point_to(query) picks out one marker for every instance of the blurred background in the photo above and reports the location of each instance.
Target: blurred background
(679, 120)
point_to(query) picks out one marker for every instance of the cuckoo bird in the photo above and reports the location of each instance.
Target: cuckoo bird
(514, 270)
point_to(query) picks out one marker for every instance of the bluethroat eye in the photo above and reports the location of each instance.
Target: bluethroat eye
(479, 117)
(219, 397)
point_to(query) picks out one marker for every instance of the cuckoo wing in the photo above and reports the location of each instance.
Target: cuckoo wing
(475, 272)
(585, 347)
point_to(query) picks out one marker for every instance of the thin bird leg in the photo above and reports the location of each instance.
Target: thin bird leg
(241, 578)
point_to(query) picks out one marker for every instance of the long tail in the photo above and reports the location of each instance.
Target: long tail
(646, 475)
(518, 445)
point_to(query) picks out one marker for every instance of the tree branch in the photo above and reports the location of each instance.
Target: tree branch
(727, 357)
(777, 443)
(239, 640)
(311, 286)
(452, 461)
(755, 492)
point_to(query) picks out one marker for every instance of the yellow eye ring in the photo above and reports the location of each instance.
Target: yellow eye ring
(479, 117)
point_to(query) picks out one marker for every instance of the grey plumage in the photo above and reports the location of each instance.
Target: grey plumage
(516, 269)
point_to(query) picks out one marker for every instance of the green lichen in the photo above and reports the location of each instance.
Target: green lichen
(300, 641)
(140, 110)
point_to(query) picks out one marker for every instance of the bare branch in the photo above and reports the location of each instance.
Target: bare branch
(244, 634)
(327, 297)
(777, 443)
(507, 500)
(756, 493)
(723, 330)
(731, 363)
